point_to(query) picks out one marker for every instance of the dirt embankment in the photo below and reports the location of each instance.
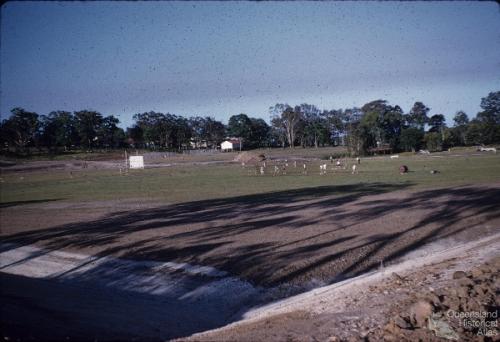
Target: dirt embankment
(288, 242)
(451, 295)
(303, 238)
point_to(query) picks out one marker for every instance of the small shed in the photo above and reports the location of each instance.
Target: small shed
(231, 145)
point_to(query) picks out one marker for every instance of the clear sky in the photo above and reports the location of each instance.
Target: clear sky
(226, 58)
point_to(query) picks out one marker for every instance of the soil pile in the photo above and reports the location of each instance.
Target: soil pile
(249, 158)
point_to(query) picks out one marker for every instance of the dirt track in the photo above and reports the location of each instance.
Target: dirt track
(271, 239)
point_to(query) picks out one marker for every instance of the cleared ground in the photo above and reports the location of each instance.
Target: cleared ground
(290, 232)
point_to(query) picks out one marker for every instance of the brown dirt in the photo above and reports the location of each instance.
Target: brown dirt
(396, 309)
(249, 158)
(66, 165)
(269, 239)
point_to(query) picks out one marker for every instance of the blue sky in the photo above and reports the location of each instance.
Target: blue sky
(225, 58)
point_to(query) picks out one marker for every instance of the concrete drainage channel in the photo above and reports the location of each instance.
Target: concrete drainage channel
(74, 295)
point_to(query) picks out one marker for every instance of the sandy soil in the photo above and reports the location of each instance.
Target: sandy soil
(284, 238)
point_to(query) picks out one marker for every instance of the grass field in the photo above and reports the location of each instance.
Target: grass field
(187, 182)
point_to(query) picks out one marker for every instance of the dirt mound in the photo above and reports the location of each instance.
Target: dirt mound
(249, 158)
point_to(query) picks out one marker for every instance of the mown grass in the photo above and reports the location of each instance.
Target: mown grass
(189, 183)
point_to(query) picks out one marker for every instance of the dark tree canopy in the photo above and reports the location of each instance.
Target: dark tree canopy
(240, 126)
(382, 123)
(491, 104)
(418, 116)
(87, 125)
(59, 130)
(411, 139)
(460, 118)
(437, 123)
(22, 127)
(360, 129)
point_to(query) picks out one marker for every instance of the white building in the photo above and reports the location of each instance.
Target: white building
(232, 144)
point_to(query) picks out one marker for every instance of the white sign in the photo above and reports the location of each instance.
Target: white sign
(136, 162)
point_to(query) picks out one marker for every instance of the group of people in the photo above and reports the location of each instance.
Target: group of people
(282, 168)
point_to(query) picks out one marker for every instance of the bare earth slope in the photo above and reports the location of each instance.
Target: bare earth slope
(298, 237)
(387, 305)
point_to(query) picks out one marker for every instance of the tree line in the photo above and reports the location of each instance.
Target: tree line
(376, 124)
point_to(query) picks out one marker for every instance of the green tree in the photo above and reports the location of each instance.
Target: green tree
(335, 122)
(437, 123)
(4, 135)
(21, 128)
(433, 141)
(418, 116)
(448, 137)
(135, 136)
(109, 134)
(287, 119)
(88, 125)
(485, 129)
(182, 132)
(363, 127)
(255, 132)
(240, 126)
(260, 133)
(371, 130)
(197, 125)
(491, 107)
(411, 139)
(474, 134)
(278, 132)
(460, 118)
(206, 129)
(459, 131)
(341, 125)
(214, 131)
(358, 138)
(59, 130)
(383, 123)
(157, 128)
(392, 124)
(315, 126)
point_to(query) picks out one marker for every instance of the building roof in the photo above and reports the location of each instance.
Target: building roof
(233, 140)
